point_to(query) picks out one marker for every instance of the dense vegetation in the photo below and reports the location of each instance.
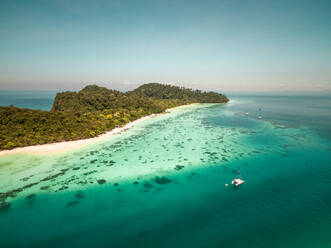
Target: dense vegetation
(91, 112)
(162, 91)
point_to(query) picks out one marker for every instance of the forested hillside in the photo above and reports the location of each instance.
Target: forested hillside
(91, 112)
(163, 91)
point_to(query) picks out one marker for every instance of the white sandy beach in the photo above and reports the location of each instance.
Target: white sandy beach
(70, 145)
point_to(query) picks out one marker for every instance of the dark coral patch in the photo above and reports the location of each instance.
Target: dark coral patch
(82, 182)
(148, 185)
(25, 179)
(79, 194)
(101, 181)
(93, 152)
(64, 188)
(179, 167)
(54, 176)
(4, 206)
(162, 180)
(72, 204)
(31, 196)
(90, 172)
(111, 163)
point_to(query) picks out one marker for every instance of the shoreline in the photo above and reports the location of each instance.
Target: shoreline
(75, 144)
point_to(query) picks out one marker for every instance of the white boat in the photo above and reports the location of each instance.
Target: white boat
(246, 113)
(260, 117)
(236, 182)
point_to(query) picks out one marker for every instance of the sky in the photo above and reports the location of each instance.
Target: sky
(224, 45)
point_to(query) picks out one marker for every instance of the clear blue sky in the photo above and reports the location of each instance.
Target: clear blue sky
(242, 45)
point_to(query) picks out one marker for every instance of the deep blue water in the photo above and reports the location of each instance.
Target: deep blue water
(284, 158)
(42, 100)
(313, 111)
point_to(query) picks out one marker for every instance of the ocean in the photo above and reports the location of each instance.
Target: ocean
(166, 182)
(42, 100)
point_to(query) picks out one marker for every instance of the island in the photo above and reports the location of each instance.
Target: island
(91, 112)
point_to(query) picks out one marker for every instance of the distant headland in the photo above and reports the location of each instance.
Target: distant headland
(91, 112)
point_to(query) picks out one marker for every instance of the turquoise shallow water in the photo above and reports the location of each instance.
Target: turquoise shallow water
(162, 183)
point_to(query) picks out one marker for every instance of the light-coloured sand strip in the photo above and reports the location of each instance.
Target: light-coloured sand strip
(70, 145)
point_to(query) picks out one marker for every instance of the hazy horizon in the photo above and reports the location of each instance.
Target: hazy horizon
(9, 92)
(226, 46)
